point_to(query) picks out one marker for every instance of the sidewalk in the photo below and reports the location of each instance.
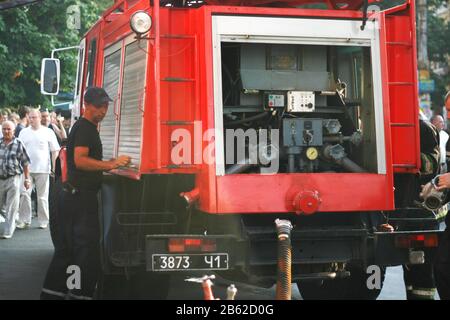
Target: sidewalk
(23, 262)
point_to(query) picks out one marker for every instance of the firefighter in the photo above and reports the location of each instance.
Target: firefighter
(419, 279)
(74, 269)
(442, 263)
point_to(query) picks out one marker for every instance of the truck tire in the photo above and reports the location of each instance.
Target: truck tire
(352, 288)
(140, 286)
(150, 286)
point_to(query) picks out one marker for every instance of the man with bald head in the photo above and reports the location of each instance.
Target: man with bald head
(40, 143)
(14, 161)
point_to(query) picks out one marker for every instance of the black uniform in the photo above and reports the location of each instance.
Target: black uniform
(447, 152)
(442, 263)
(76, 237)
(419, 279)
(429, 151)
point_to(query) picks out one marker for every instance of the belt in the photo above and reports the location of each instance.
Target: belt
(70, 184)
(69, 188)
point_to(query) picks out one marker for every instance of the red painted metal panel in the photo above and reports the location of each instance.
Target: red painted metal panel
(332, 4)
(149, 136)
(403, 89)
(404, 136)
(179, 84)
(206, 179)
(389, 183)
(339, 192)
(275, 193)
(400, 64)
(337, 14)
(397, 97)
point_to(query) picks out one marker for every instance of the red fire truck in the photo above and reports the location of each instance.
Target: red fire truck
(324, 90)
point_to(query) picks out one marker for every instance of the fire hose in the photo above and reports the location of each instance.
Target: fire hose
(284, 276)
(433, 199)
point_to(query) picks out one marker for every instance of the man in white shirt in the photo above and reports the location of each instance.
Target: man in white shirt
(40, 142)
(438, 122)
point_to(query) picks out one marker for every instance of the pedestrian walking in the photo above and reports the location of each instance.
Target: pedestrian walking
(14, 161)
(42, 147)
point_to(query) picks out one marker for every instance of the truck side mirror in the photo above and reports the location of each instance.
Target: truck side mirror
(50, 74)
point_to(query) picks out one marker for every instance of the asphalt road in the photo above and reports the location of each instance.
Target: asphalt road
(24, 260)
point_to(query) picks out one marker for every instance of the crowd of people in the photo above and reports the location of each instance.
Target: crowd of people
(29, 144)
(29, 147)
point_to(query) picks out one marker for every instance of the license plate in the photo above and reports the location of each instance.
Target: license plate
(180, 262)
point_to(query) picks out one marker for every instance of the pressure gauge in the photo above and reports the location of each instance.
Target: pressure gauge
(312, 153)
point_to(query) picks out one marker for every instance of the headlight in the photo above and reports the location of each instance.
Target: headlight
(141, 22)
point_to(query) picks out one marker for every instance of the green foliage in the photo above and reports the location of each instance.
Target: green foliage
(439, 49)
(28, 34)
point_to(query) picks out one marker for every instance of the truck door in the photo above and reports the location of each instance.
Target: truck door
(111, 79)
(124, 74)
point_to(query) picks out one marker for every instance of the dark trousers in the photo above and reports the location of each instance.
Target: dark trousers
(74, 269)
(419, 281)
(55, 189)
(442, 266)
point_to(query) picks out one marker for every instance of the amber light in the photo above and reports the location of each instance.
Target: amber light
(191, 245)
(417, 241)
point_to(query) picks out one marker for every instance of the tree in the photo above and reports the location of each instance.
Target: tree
(439, 49)
(422, 35)
(28, 34)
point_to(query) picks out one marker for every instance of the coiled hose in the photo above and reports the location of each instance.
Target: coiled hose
(284, 276)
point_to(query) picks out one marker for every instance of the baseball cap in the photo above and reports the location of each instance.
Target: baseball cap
(96, 96)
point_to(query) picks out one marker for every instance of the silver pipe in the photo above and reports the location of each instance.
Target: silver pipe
(239, 168)
(350, 165)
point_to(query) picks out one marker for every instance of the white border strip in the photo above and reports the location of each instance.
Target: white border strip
(378, 100)
(295, 31)
(218, 105)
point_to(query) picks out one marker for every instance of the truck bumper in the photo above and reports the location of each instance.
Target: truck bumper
(315, 253)
(406, 247)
